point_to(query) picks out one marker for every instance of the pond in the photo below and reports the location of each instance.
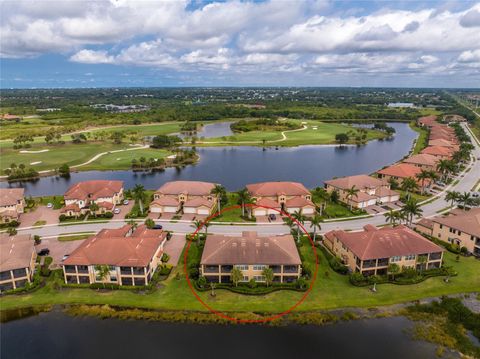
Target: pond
(56, 335)
(234, 167)
(217, 129)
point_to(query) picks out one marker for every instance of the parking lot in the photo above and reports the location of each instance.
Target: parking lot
(41, 213)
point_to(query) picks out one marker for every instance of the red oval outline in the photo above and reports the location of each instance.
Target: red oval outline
(238, 320)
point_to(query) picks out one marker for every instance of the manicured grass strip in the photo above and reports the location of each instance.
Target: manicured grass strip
(67, 237)
(422, 140)
(39, 223)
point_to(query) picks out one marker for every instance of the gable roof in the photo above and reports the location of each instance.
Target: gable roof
(250, 248)
(359, 181)
(93, 189)
(467, 222)
(10, 196)
(116, 247)
(386, 242)
(422, 159)
(443, 143)
(437, 151)
(275, 188)
(199, 202)
(15, 252)
(193, 188)
(401, 170)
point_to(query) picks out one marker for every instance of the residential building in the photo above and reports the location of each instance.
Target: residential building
(251, 253)
(79, 197)
(17, 261)
(444, 143)
(424, 226)
(372, 250)
(399, 172)
(131, 255)
(192, 197)
(371, 190)
(424, 161)
(438, 151)
(427, 121)
(459, 227)
(12, 204)
(281, 196)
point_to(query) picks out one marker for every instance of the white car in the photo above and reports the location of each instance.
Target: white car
(116, 211)
(49, 205)
(125, 202)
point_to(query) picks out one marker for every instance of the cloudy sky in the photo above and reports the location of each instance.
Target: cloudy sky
(239, 43)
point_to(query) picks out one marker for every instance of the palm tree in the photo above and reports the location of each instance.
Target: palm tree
(393, 269)
(268, 274)
(464, 199)
(352, 192)
(236, 275)
(102, 271)
(452, 196)
(93, 208)
(315, 224)
(206, 225)
(218, 191)
(412, 209)
(198, 224)
(289, 222)
(139, 195)
(244, 197)
(421, 260)
(409, 185)
(445, 167)
(300, 221)
(392, 217)
(422, 176)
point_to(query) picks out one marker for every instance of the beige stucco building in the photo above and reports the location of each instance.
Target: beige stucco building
(12, 204)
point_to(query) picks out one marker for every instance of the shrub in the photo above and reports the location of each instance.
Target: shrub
(165, 257)
(62, 217)
(202, 282)
(108, 215)
(252, 283)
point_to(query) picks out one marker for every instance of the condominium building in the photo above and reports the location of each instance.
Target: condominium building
(12, 204)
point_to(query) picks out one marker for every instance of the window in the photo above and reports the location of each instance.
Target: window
(245, 279)
(410, 257)
(259, 278)
(395, 259)
(242, 266)
(113, 278)
(259, 267)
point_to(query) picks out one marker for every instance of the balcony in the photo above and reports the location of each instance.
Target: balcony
(138, 270)
(82, 269)
(126, 270)
(210, 269)
(226, 268)
(276, 269)
(435, 256)
(369, 264)
(19, 273)
(290, 269)
(69, 269)
(383, 262)
(5, 275)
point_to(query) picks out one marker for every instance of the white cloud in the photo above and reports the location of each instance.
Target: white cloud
(92, 57)
(470, 56)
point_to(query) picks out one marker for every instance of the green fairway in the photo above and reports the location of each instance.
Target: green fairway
(123, 160)
(314, 133)
(330, 291)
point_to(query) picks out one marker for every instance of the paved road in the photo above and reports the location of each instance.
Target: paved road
(466, 182)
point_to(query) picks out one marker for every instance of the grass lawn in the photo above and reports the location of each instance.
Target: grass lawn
(74, 237)
(233, 215)
(330, 291)
(39, 223)
(337, 210)
(123, 160)
(422, 140)
(416, 196)
(56, 201)
(323, 134)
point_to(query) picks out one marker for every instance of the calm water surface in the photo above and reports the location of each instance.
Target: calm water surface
(234, 167)
(56, 335)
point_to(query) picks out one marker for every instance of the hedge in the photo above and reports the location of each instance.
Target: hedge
(333, 261)
(258, 290)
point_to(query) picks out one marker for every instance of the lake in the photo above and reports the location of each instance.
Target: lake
(56, 335)
(236, 166)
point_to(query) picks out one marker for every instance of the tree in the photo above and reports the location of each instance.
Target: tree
(150, 223)
(465, 199)
(64, 170)
(421, 261)
(341, 138)
(244, 198)
(445, 167)
(300, 220)
(206, 225)
(409, 185)
(198, 224)
(412, 209)
(392, 217)
(393, 269)
(93, 208)
(78, 138)
(334, 196)
(101, 272)
(117, 137)
(219, 191)
(268, 274)
(352, 192)
(315, 224)
(452, 196)
(138, 193)
(236, 276)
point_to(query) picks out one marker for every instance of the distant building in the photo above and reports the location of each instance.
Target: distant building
(9, 117)
(371, 190)
(251, 253)
(283, 196)
(372, 250)
(132, 256)
(17, 261)
(51, 109)
(12, 204)
(401, 104)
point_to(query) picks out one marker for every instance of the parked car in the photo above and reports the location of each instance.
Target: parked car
(157, 226)
(49, 205)
(44, 252)
(125, 202)
(116, 210)
(272, 217)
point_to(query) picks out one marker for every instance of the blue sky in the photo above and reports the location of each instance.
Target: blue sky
(231, 43)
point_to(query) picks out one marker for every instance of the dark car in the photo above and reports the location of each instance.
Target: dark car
(157, 226)
(44, 252)
(272, 217)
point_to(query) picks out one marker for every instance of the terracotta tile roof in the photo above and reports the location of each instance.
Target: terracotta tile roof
(199, 202)
(193, 188)
(299, 202)
(71, 207)
(422, 159)
(383, 192)
(267, 202)
(250, 248)
(360, 182)
(15, 252)
(106, 205)
(427, 120)
(385, 242)
(275, 188)
(437, 151)
(401, 170)
(362, 197)
(94, 189)
(115, 247)
(10, 214)
(467, 222)
(443, 143)
(166, 201)
(425, 222)
(10, 196)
